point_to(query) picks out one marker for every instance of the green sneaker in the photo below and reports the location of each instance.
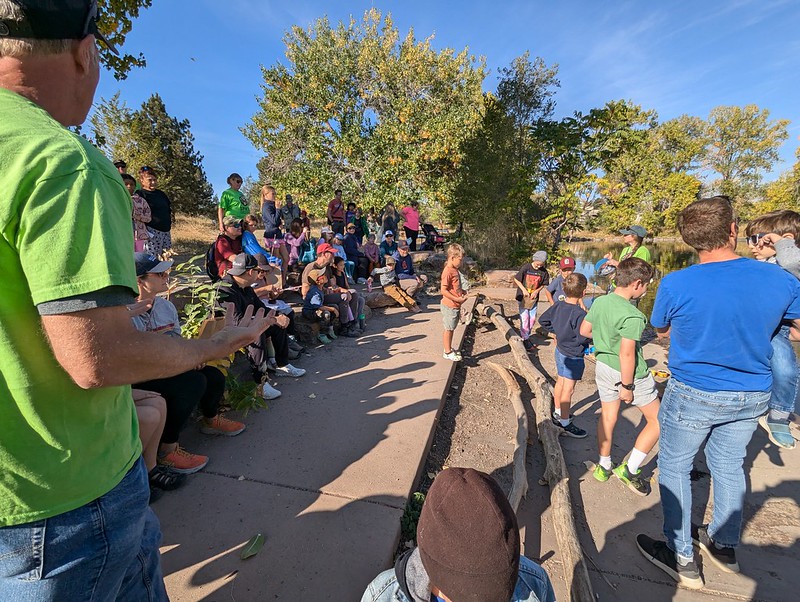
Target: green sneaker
(633, 481)
(601, 474)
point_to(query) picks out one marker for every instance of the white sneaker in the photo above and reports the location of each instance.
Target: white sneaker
(362, 281)
(269, 392)
(453, 356)
(289, 370)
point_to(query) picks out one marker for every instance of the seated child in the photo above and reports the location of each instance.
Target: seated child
(315, 310)
(390, 287)
(295, 238)
(357, 299)
(371, 252)
(621, 372)
(564, 320)
(773, 238)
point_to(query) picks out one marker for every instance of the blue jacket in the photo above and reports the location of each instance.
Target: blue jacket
(272, 220)
(408, 582)
(350, 244)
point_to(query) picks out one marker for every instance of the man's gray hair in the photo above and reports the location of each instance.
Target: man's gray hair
(22, 47)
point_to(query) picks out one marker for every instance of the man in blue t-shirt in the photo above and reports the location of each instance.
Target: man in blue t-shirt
(721, 380)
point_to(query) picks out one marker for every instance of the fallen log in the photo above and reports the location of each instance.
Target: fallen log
(519, 483)
(555, 473)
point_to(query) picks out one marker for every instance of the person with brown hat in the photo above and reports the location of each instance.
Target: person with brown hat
(467, 549)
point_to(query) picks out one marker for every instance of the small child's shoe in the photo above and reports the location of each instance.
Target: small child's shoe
(633, 481)
(322, 338)
(601, 474)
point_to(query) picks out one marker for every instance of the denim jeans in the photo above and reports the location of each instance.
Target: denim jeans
(725, 421)
(784, 373)
(105, 550)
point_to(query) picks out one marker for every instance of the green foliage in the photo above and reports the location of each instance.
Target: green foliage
(783, 193)
(358, 107)
(204, 295)
(743, 143)
(243, 395)
(150, 136)
(410, 518)
(115, 22)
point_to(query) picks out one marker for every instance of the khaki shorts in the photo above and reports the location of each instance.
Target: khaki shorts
(450, 317)
(606, 378)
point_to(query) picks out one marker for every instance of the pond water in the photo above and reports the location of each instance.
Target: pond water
(667, 257)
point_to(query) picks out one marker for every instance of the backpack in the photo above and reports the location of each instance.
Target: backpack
(211, 262)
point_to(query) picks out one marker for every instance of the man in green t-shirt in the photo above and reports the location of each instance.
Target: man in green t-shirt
(74, 517)
(621, 373)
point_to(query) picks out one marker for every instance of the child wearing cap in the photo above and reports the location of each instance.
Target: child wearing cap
(390, 287)
(556, 287)
(468, 548)
(388, 246)
(531, 279)
(564, 319)
(621, 372)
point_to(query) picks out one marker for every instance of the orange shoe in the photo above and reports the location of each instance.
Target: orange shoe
(181, 461)
(219, 425)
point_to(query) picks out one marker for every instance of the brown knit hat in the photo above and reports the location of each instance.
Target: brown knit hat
(468, 537)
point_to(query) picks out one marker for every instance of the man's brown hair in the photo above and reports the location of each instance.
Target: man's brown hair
(632, 269)
(779, 222)
(705, 225)
(574, 285)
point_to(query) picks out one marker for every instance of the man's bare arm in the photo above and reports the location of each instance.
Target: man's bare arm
(101, 348)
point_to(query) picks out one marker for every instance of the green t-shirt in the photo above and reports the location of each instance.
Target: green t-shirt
(641, 252)
(233, 203)
(613, 318)
(65, 230)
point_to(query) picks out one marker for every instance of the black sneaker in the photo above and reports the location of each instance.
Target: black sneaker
(155, 494)
(528, 344)
(570, 430)
(163, 478)
(660, 555)
(724, 558)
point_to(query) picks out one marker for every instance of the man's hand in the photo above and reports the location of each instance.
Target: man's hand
(282, 321)
(235, 335)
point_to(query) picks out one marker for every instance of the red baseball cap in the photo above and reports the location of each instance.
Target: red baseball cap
(325, 248)
(566, 263)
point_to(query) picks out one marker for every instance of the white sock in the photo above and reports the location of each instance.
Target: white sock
(635, 460)
(605, 462)
(683, 561)
(564, 422)
(557, 412)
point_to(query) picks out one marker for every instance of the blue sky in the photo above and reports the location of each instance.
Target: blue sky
(676, 57)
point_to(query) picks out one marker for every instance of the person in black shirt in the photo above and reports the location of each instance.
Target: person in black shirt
(160, 213)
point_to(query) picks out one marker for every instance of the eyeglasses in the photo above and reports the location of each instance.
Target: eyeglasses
(237, 226)
(754, 238)
(238, 181)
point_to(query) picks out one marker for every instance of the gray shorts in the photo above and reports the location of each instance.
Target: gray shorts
(606, 378)
(450, 317)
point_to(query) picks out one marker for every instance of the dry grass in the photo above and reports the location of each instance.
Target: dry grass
(191, 234)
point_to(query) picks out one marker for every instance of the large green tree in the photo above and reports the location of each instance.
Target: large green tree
(743, 144)
(358, 107)
(151, 136)
(116, 22)
(783, 193)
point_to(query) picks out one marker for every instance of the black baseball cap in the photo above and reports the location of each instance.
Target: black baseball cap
(55, 20)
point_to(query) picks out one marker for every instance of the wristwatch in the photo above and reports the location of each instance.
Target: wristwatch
(629, 387)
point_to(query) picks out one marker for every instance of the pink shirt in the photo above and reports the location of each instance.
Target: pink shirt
(411, 217)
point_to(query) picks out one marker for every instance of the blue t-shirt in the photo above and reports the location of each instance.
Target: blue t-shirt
(556, 288)
(723, 316)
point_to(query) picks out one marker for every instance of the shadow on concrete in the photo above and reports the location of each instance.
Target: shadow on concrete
(324, 473)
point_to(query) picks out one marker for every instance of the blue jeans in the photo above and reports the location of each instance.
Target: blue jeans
(725, 421)
(784, 373)
(105, 550)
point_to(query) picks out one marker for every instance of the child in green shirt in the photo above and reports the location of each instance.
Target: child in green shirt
(621, 372)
